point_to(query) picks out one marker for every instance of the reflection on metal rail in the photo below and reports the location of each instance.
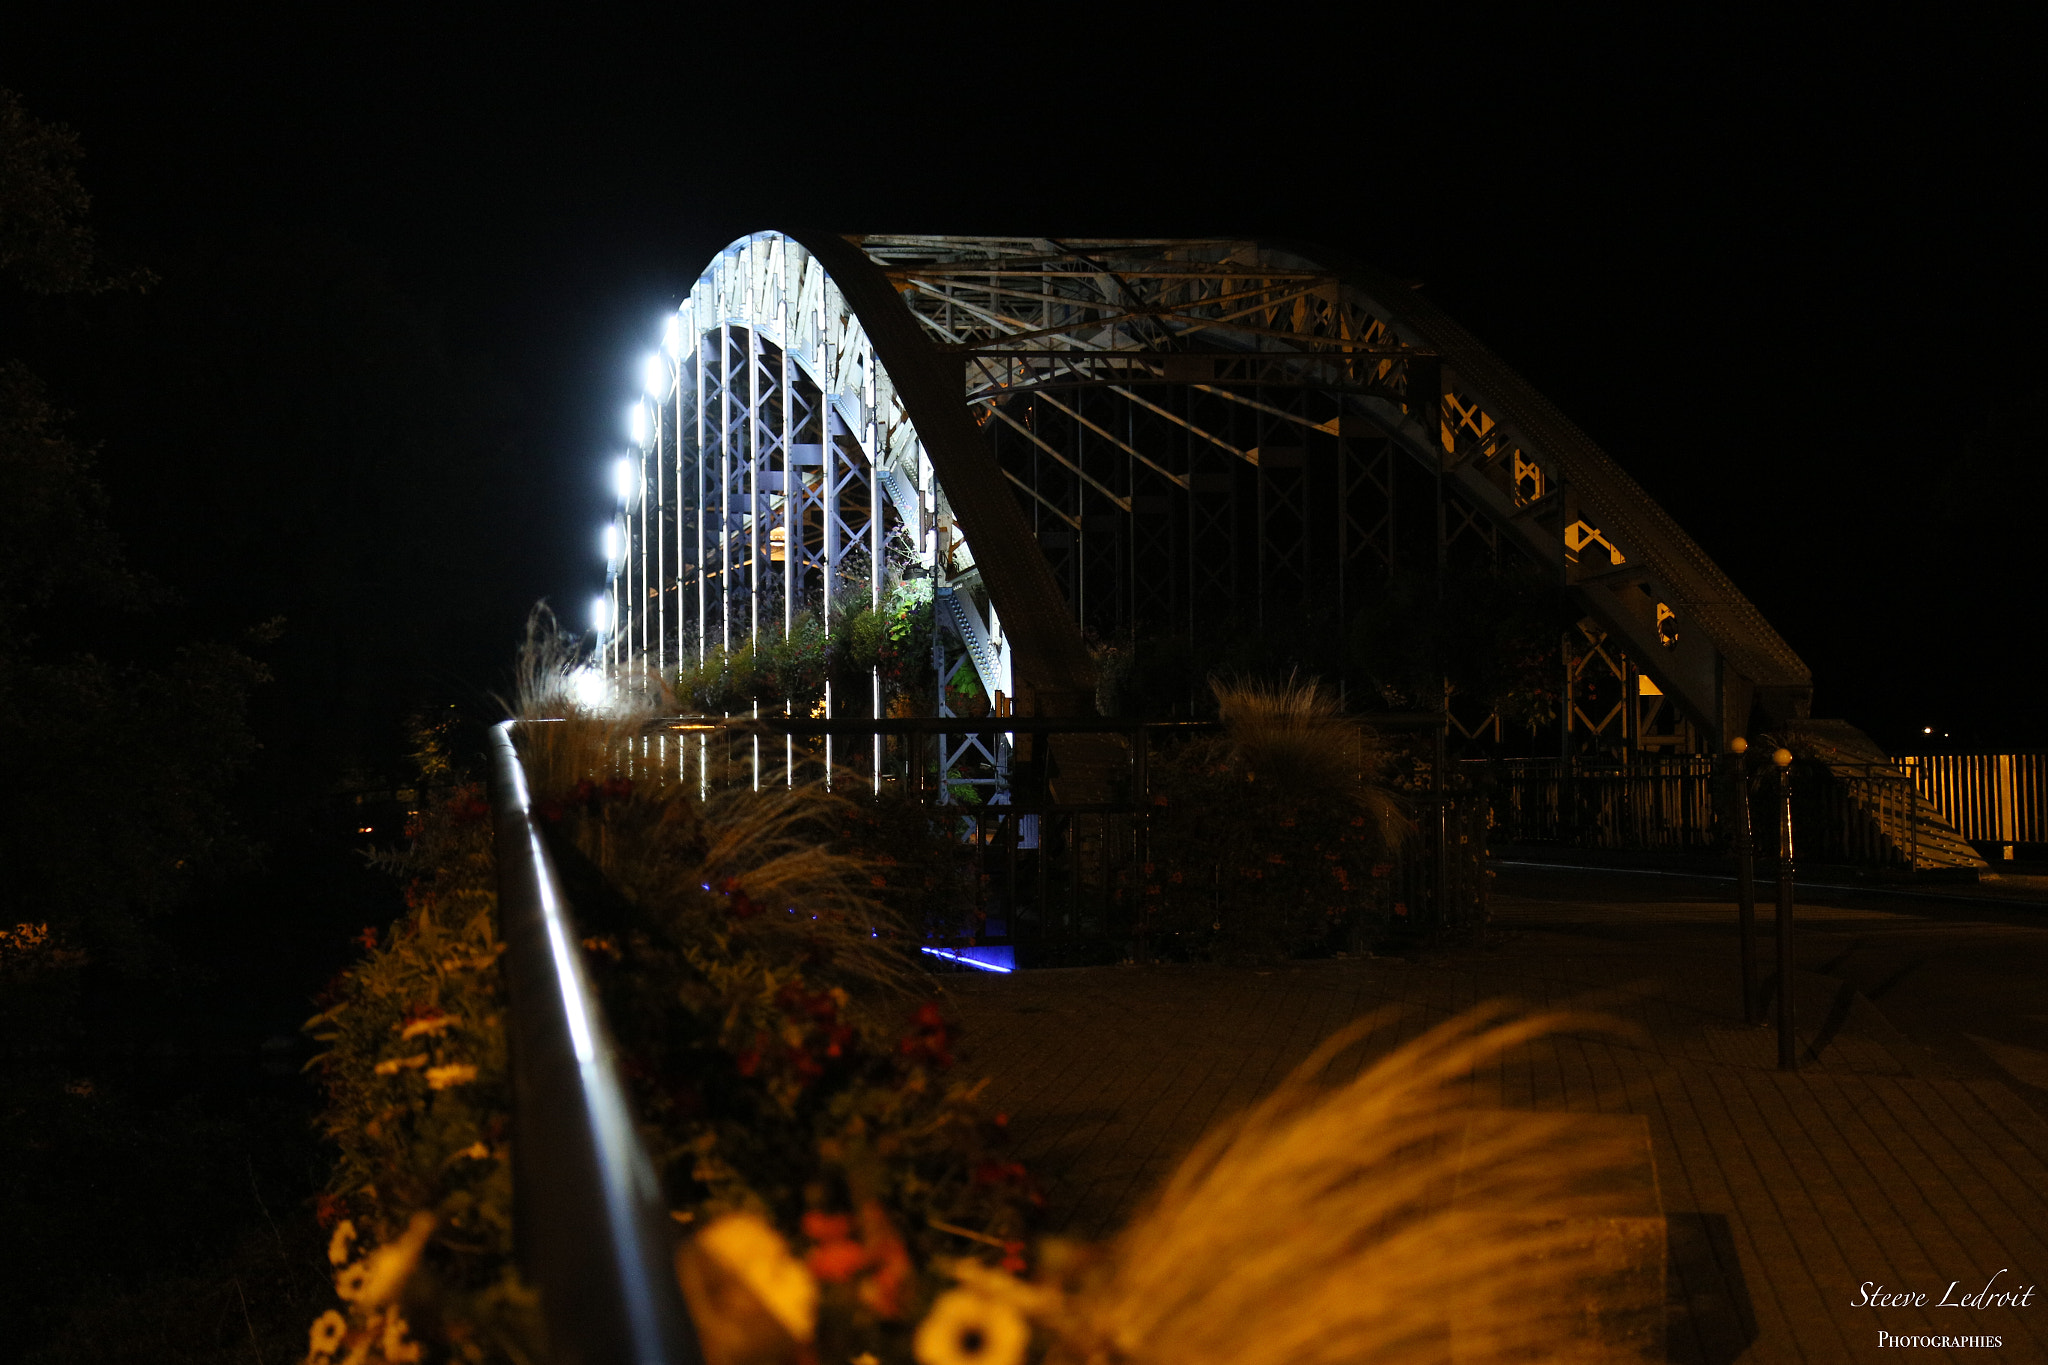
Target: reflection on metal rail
(591, 1223)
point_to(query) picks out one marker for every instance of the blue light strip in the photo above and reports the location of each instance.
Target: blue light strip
(966, 961)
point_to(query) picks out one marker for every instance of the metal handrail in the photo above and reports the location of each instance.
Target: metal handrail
(589, 1218)
(1023, 725)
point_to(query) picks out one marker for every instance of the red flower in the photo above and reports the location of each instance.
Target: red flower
(368, 938)
(827, 1227)
(837, 1261)
(329, 1210)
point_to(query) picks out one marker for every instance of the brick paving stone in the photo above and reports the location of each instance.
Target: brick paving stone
(1784, 1191)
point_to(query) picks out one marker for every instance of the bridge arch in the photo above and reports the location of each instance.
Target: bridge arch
(1131, 434)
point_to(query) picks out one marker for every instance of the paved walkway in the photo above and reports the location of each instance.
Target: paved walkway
(1784, 1192)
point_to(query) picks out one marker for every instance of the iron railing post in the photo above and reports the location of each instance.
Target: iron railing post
(1745, 879)
(1788, 1056)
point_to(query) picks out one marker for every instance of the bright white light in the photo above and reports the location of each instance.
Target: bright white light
(613, 543)
(636, 423)
(587, 684)
(600, 615)
(672, 336)
(626, 477)
(654, 375)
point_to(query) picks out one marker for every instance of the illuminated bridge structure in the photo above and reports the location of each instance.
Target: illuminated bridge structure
(1137, 438)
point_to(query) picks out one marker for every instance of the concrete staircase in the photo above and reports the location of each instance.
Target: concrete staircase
(1913, 829)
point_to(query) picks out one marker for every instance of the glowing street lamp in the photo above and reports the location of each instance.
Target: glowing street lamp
(654, 376)
(637, 424)
(600, 615)
(626, 477)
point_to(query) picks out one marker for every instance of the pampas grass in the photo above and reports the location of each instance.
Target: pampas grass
(1363, 1223)
(676, 836)
(1296, 736)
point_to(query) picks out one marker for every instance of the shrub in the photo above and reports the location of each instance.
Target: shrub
(1265, 838)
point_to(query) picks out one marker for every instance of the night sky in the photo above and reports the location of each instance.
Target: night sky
(1788, 279)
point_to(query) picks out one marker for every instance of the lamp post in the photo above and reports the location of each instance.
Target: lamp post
(1788, 1058)
(1745, 878)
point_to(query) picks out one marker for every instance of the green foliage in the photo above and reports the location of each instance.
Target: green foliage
(1265, 840)
(91, 742)
(46, 244)
(419, 1096)
(770, 670)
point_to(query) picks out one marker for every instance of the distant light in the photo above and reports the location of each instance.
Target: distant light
(672, 336)
(636, 423)
(626, 477)
(600, 616)
(587, 684)
(613, 544)
(654, 375)
(1927, 730)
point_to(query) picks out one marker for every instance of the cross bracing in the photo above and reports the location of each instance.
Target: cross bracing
(1129, 436)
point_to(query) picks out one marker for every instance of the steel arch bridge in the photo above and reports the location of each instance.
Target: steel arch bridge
(1133, 435)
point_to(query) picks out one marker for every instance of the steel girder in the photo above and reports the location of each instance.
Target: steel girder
(1133, 432)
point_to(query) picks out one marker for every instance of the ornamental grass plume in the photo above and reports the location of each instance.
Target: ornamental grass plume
(1266, 838)
(1363, 1223)
(665, 825)
(1294, 736)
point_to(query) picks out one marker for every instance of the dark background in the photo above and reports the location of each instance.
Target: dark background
(1786, 277)
(403, 267)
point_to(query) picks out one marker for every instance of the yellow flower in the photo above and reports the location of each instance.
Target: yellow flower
(397, 1064)
(456, 1073)
(967, 1328)
(397, 1349)
(476, 1151)
(433, 1025)
(327, 1332)
(337, 1246)
(349, 1283)
(745, 1244)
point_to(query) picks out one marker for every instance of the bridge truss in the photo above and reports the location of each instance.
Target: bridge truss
(1137, 437)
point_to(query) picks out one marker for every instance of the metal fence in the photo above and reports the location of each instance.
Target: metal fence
(1660, 802)
(1062, 881)
(1863, 814)
(1989, 798)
